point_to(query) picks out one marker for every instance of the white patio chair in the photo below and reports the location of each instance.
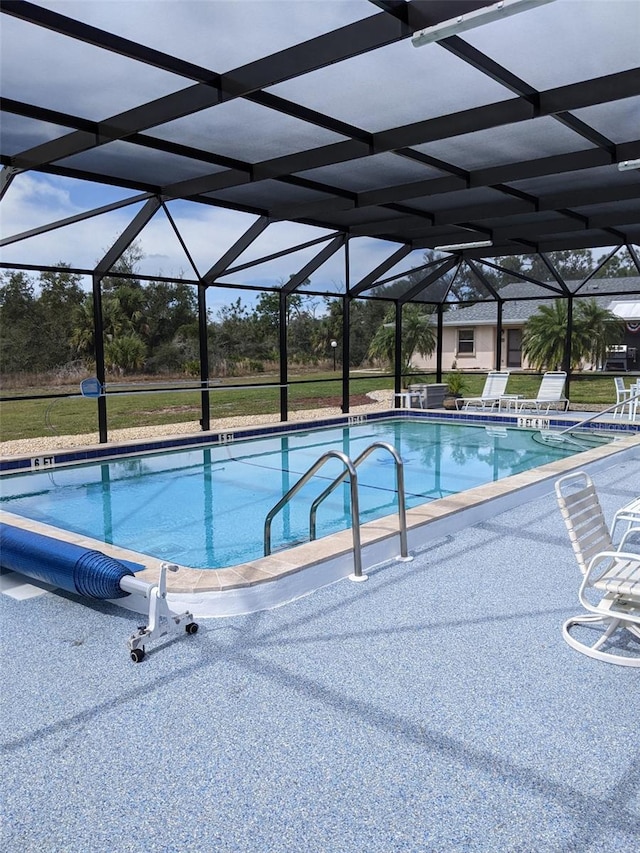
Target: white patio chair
(409, 399)
(610, 588)
(630, 513)
(634, 403)
(494, 388)
(550, 394)
(622, 397)
(419, 395)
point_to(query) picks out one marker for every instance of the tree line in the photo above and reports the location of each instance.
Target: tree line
(48, 324)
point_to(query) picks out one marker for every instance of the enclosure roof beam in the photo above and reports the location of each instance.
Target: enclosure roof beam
(515, 274)
(78, 217)
(493, 177)
(133, 229)
(370, 279)
(7, 175)
(241, 244)
(485, 281)
(346, 42)
(604, 261)
(554, 272)
(634, 256)
(315, 263)
(281, 254)
(413, 271)
(430, 279)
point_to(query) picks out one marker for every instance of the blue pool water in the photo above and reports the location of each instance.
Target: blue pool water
(206, 507)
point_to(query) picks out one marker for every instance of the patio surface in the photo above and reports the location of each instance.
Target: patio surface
(433, 708)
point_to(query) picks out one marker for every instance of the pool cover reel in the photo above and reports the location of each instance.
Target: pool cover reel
(91, 574)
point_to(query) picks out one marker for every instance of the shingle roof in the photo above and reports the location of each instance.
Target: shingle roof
(518, 311)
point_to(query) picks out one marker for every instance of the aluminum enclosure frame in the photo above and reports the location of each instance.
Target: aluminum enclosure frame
(571, 199)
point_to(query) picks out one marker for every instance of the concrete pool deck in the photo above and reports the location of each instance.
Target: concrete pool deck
(433, 709)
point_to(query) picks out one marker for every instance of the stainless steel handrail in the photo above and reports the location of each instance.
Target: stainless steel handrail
(603, 412)
(402, 515)
(355, 506)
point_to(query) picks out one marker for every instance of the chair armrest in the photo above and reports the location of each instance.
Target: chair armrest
(633, 557)
(629, 532)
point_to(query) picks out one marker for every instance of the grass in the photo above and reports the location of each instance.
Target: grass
(73, 415)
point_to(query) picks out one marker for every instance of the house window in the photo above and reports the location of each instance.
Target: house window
(466, 342)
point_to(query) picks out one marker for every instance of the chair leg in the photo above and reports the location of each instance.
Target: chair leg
(610, 625)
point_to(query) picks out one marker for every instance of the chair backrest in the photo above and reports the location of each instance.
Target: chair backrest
(619, 383)
(495, 384)
(583, 517)
(552, 386)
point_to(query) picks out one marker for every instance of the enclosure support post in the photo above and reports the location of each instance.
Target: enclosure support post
(567, 346)
(346, 334)
(98, 326)
(398, 354)
(498, 363)
(284, 359)
(205, 410)
(440, 314)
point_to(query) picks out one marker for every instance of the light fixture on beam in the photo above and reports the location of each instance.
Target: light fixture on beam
(627, 165)
(479, 244)
(453, 26)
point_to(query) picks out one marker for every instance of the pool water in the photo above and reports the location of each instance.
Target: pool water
(206, 507)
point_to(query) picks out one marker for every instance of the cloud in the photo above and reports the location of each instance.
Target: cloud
(219, 35)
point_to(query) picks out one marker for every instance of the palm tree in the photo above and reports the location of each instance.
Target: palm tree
(602, 330)
(82, 337)
(115, 324)
(545, 335)
(594, 330)
(417, 336)
(125, 354)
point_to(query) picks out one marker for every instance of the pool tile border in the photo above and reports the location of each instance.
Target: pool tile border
(105, 452)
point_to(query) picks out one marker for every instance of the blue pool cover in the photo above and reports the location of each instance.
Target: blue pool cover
(63, 564)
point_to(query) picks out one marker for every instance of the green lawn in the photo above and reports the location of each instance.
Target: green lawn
(74, 415)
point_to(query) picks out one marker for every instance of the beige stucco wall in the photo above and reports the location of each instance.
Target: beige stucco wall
(482, 359)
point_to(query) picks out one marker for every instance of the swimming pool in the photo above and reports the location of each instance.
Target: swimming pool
(205, 507)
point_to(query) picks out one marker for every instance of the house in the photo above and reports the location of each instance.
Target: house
(470, 333)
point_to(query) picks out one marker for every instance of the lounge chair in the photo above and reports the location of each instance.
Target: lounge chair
(610, 588)
(493, 390)
(622, 397)
(550, 394)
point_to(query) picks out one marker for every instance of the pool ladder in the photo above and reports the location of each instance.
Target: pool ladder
(349, 472)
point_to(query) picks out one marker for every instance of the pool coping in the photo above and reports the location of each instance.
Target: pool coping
(273, 580)
(19, 464)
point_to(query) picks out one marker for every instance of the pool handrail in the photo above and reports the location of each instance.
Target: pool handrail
(402, 515)
(635, 396)
(355, 505)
